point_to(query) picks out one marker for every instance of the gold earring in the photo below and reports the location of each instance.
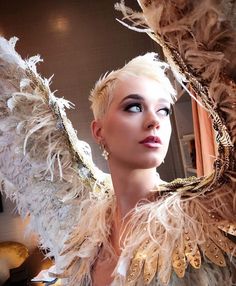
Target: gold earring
(105, 153)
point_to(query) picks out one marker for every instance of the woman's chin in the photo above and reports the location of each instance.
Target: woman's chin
(149, 163)
(139, 162)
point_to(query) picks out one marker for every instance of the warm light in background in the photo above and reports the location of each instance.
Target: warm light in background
(60, 24)
(1, 32)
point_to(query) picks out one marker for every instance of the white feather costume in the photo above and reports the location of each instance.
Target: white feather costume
(183, 234)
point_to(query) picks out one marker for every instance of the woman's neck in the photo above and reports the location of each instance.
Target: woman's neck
(131, 186)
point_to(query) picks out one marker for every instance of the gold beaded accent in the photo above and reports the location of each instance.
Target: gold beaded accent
(150, 269)
(213, 252)
(179, 262)
(135, 269)
(137, 263)
(191, 250)
(228, 227)
(224, 243)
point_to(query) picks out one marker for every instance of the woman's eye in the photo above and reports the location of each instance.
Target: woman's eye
(164, 111)
(134, 107)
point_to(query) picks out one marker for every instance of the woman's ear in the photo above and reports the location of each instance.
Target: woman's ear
(96, 129)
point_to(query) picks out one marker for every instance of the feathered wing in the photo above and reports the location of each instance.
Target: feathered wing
(44, 167)
(192, 221)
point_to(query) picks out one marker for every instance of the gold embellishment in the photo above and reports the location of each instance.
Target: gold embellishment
(187, 251)
(150, 269)
(149, 259)
(228, 227)
(137, 263)
(135, 269)
(191, 250)
(223, 242)
(179, 261)
(213, 252)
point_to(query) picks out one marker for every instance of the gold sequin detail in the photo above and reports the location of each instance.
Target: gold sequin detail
(213, 252)
(179, 262)
(228, 227)
(150, 269)
(191, 250)
(137, 264)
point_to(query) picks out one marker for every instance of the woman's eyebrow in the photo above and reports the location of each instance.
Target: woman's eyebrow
(136, 96)
(133, 96)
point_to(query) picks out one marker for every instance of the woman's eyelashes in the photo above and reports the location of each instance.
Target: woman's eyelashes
(165, 111)
(136, 107)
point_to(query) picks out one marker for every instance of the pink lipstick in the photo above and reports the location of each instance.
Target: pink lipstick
(151, 142)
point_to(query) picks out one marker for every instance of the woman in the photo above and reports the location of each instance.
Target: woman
(140, 235)
(137, 230)
(131, 108)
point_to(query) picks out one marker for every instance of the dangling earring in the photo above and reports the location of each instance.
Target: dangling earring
(105, 153)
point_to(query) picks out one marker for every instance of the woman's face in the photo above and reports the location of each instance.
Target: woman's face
(136, 128)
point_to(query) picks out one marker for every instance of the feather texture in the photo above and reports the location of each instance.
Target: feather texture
(50, 171)
(198, 41)
(181, 235)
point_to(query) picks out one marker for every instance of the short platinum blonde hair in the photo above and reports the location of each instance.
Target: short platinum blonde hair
(147, 65)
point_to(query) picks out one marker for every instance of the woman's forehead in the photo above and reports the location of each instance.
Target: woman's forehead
(142, 86)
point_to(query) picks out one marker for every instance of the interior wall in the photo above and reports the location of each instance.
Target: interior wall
(79, 41)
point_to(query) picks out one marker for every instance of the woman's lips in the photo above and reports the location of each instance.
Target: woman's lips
(151, 142)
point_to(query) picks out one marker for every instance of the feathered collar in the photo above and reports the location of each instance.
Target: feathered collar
(166, 234)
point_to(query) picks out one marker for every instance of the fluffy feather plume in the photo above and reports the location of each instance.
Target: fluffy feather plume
(185, 228)
(49, 170)
(182, 234)
(198, 41)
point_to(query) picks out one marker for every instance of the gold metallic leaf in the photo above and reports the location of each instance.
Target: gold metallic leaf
(213, 252)
(228, 227)
(135, 269)
(204, 182)
(150, 269)
(137, 264)
(223, 242)
(191, 250)
(179, 262)
(194, 258)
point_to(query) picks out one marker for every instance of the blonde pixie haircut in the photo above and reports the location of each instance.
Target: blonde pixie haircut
(147, 65)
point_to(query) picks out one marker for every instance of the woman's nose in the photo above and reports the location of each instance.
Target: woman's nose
(152, 122)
